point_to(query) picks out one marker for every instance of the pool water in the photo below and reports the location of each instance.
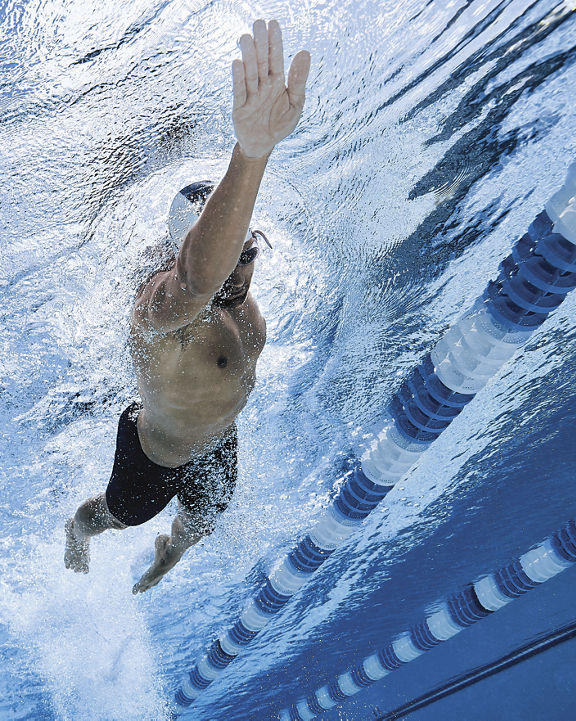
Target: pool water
(433, 133)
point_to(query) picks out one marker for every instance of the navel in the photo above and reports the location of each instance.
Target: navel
(222, 361)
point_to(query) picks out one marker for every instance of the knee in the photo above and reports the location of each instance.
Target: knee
(86, 517)
(93, 516)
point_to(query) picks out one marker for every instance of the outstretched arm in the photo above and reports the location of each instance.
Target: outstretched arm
(265, 111)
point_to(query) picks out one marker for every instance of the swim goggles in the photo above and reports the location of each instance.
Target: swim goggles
(250, 254)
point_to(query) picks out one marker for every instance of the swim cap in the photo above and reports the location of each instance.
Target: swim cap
(186, 208)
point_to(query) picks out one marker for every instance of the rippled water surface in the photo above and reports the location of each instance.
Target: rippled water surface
(432, 135)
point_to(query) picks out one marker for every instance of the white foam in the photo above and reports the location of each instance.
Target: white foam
(88, 636)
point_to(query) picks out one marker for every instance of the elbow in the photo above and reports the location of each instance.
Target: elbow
(193, 282)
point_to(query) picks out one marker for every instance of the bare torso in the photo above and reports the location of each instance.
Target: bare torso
(194, 381)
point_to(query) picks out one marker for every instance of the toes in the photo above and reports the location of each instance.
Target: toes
(149, 579)
(142, 586)
(76, 566)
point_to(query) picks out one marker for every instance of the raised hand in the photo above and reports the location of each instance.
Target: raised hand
(266, 110)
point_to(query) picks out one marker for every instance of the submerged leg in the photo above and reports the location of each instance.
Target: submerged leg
(186, 532)
(91, 519)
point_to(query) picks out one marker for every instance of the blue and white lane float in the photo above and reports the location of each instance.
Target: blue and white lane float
(532, 282)
(460, 610)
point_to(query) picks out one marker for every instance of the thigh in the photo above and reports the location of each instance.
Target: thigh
(209, 484)
(134, 498)
(138, 488)
(109, 518)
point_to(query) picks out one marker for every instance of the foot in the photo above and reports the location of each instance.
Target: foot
(163, 562)
(77, 553)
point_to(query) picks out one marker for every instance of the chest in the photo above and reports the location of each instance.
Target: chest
(227, 343)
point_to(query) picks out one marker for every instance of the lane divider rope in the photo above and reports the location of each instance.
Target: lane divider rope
(532, 281)
(458, 611)
(479, 673)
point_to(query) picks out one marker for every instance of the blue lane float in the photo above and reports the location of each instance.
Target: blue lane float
(532, 282)
(460, 610)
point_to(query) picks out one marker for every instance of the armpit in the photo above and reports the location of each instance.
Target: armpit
(166, 266)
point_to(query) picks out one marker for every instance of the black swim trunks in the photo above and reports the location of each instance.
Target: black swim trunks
(139, 489)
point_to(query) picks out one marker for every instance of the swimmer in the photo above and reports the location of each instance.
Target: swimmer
(196, 333)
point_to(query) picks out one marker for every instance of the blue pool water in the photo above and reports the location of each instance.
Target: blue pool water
(433, 133)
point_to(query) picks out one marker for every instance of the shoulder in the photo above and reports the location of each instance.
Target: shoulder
(164, 304)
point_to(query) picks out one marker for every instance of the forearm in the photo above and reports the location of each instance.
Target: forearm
(213, 245)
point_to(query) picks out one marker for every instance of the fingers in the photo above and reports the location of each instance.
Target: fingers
(263, 57)
(261, 45)
(255, 57)
(250, 64)
(238, 84)
(297, 76)
(275, 49)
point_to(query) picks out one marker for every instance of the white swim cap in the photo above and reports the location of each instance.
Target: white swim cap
(186, 208)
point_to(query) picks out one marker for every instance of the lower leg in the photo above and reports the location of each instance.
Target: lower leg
(91, 519)
(182, 537)
(168, 551)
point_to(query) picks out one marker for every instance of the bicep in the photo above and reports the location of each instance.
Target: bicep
(166, 304)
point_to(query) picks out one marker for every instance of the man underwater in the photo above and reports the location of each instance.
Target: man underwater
(196, 333)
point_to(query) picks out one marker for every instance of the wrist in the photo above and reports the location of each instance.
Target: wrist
(252, 158)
